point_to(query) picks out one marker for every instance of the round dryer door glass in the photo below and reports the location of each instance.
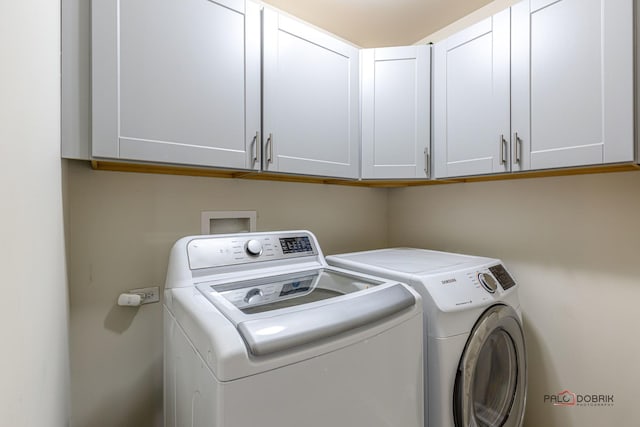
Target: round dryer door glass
(491, 383)
(494, 381)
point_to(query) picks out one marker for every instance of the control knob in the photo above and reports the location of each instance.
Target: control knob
(253, 247)
(488, 282)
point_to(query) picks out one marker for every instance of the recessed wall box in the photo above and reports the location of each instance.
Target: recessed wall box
(223, 222)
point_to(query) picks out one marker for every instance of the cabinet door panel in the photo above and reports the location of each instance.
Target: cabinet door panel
(310, 100)
(575, 106)
(471, 100)
(469, 86)
(174, 85)
(395, 112)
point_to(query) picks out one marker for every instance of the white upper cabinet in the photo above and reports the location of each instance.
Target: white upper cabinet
(572, 82)
(310, 100)
(395, 112)
(177, 81)
(471, 113)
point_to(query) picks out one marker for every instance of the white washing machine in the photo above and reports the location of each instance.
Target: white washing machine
(475, 359)
(260, 331)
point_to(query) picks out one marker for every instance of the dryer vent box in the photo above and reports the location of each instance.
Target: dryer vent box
(225, 222)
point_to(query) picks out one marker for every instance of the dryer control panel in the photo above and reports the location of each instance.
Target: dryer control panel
(502, 276)
(219, 251)
(469, 288)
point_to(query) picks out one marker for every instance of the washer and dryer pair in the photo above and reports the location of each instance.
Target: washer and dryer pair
(475, 361)
(261, 330)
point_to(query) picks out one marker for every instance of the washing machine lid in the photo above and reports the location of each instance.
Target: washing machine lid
(407, 261)
(491, 382)
(279, 312)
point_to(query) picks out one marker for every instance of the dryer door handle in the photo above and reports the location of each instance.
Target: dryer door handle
(277, 333)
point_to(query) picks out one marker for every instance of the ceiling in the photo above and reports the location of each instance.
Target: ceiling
(379, 23)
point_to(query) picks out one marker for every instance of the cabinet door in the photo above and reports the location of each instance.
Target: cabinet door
(471, 100)
(176, 81)
(395, 112)
(311, 100)
(572, 82)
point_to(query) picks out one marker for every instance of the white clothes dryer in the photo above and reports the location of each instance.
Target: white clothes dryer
(260, 331)
(475, 359)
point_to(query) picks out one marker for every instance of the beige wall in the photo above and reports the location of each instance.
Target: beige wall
(34, 370)
(121, 227)
(573, 244)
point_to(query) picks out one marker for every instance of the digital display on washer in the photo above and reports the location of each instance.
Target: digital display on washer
(293, 245)
(500, 273)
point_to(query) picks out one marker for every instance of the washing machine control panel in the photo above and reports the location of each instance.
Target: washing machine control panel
(220, 251)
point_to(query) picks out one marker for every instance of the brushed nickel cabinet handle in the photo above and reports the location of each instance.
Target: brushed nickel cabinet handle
(256, 138)
(427, 162)
(270, 149)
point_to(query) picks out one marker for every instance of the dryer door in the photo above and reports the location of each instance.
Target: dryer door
(491, 382)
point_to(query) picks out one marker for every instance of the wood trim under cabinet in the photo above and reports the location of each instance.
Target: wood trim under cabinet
(266, 176)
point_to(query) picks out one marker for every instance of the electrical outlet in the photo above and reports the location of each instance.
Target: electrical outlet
(148, 295)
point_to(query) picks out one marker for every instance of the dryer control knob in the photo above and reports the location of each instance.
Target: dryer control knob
(488, 282)
(254, 247)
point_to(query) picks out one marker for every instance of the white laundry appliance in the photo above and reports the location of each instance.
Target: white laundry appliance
(260, 331)
(475, 359)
